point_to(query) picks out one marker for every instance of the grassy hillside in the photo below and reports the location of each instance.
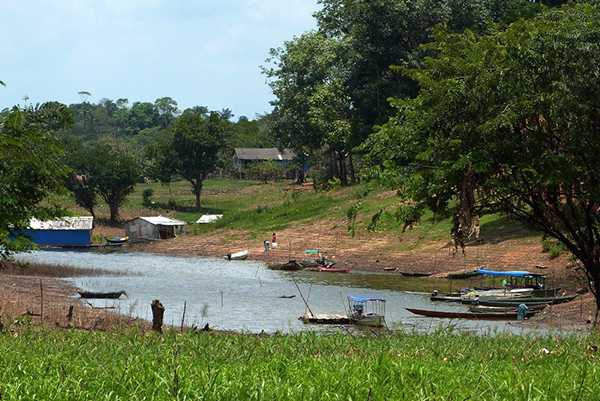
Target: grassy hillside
(258, 208)
(75, 365)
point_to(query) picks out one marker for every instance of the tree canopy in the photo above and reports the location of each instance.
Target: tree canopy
(509, 122)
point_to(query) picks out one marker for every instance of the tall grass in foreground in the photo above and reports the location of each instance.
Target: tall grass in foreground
(70, 365)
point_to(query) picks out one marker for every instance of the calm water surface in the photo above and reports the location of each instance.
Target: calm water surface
(245, 296)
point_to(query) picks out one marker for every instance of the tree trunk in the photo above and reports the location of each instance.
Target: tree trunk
(114, 212)
(197, 193)
(343, 173)
(351, 167)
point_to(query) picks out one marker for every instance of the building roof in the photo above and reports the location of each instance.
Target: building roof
(65, 223)
(264, 154)
(162, 221)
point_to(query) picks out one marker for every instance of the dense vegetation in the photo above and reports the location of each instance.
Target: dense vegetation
(465, 108)
(71, 365)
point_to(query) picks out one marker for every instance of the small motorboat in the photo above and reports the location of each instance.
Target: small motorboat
(495, 301)
(241, 255)
(327, 269)
(367, 310)
(116, 241)
(101, 295)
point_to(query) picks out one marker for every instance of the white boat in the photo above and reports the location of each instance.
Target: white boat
(367, 310)
(241, 255)
(513, 293)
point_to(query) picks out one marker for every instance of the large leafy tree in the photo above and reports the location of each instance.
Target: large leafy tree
(111, 169)
(30, 166)
(192, 150)
(514, 116)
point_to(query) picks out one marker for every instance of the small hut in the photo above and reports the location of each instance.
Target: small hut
(153, 228)
(64, 232)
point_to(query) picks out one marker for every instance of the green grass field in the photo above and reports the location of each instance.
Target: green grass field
(69, 365)
(259, 208)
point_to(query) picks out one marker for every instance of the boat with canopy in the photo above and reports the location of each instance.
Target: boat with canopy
(367, 310)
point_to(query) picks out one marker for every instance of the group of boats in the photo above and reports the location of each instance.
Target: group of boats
(318, 263)
(523, 294)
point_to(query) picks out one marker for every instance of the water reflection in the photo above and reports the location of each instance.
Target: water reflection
(247, 296)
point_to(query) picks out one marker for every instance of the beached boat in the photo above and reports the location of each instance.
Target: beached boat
(464, 315)
(291, 265)
(101, 295)
(116, 241)
(463, 275)
(511, 302)
(415, 274)
(241, 255)
(367, 310)
(326, 269)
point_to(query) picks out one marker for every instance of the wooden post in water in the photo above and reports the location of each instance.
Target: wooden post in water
(183, 316)
(41, 301)
(158, 312)
(70, 314)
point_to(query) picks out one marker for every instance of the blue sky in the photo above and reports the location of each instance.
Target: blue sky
(200, 52)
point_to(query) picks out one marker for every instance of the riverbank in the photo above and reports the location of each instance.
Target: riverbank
(39, 294)
(73, 365)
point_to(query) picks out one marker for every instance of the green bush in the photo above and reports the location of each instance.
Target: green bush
(147, 197)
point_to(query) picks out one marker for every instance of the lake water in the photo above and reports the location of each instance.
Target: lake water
(245, 296)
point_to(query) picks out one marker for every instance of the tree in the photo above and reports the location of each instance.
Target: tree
(30, 169)
(112, 169)
(514, 118)
(167, 110)
(193, 149)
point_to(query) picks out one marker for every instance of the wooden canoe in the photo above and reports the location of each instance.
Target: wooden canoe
(496, 309)
(101, 295)
(447, 297)
(464, 315)
(415, 274)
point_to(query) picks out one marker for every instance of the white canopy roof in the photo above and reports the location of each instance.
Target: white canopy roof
(162, 221)
(64, 223)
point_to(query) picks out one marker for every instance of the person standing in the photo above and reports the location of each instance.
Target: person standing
(266, 244)
(274, 241)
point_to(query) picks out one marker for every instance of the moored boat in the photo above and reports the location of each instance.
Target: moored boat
(116, 241)
(241, 255)
(415, 274)
(367, 310)
(528, 300)
(101, 295)
(291, 265)
(462, 275)
(446, 297)
(465, 315)
(495, 309)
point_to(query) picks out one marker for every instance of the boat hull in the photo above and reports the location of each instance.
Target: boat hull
(101, 295)
(369, 320)
(464, 315)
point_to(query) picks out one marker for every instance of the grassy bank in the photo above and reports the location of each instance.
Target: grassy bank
(259, 209)
(69, 365)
